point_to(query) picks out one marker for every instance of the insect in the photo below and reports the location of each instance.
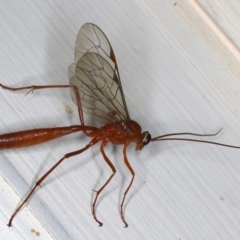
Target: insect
(96, 89)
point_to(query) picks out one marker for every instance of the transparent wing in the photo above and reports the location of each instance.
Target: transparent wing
(96, 76)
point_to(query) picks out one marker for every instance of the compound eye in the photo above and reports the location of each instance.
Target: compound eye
(146, 139)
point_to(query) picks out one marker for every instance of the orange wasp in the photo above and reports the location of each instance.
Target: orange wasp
(96, 89)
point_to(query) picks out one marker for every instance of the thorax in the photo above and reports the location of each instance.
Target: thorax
(121, 132)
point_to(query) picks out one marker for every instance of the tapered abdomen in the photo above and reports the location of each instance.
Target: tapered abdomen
(36, 136)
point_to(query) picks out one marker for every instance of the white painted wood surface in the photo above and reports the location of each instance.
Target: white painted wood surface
(179, 66)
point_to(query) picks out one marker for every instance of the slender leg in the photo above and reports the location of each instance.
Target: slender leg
(71, 154)
(129, 186)
(79, 105)
(104, 143)
(33, 87)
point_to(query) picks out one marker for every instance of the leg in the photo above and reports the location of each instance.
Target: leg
(106, 183)
(79, 105)
(32, 88)
(129, 186)
(94, 141)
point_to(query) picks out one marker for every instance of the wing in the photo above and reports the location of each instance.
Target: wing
(95, 74)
